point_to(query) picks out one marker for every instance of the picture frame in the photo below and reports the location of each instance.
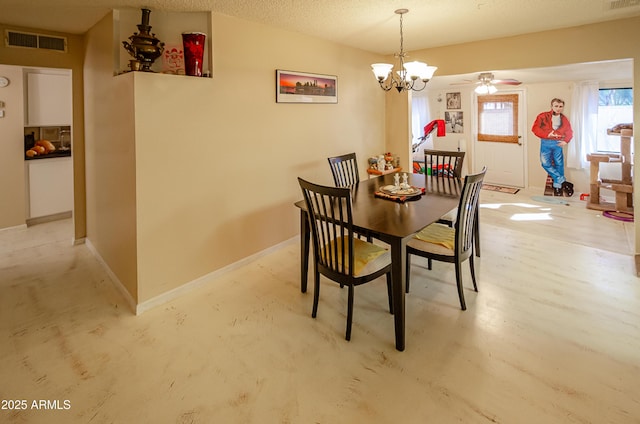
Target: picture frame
(454, 101)
(454, 122)
(304, 87)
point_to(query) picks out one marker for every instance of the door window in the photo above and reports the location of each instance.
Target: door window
(498, 118)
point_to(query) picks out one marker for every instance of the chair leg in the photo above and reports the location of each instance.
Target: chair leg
(316, 294)
(408, 273)
(473, 273)
(476, 234)
(429, 264)
(463, 306)
(390, 292)
(349, 312)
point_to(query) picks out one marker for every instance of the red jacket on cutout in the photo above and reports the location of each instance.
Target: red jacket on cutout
(543, 126)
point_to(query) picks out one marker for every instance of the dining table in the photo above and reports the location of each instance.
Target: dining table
(392, 221)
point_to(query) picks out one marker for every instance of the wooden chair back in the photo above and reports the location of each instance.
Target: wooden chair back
(444, 163)
(344, 169)
(330, 219)
(467, 210)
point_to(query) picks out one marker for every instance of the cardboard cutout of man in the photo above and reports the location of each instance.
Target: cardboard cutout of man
(555, 132)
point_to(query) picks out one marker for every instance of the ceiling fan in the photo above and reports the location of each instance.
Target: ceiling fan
(486, 83)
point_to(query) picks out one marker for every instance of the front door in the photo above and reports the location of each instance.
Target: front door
(503, 150)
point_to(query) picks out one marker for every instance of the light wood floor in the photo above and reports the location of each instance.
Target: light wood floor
(553, 336)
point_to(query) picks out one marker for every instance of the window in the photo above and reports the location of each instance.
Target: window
(498, 118)
(615, 106)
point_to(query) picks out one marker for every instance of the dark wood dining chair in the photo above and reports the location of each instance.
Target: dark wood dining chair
(344, 169)
(440, 242)
(337, 253)
(444, 163)
(448, 164)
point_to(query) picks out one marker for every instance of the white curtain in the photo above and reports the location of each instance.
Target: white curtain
(420, 116)
(584, 121)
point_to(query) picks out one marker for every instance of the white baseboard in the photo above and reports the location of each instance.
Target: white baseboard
(116, 281)
(206, 279)
(49, 218)
(177, 292)
(14, 228)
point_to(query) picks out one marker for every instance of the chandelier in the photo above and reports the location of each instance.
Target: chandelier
(408, 73)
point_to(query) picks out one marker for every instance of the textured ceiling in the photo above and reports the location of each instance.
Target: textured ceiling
(366, 24)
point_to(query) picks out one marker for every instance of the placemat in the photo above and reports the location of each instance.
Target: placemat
(399, 199)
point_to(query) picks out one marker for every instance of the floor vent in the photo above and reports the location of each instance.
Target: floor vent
(621, 4)
(35, 41)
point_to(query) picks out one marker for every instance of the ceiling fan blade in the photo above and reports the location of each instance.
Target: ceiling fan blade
(507, 82)
(464, 82)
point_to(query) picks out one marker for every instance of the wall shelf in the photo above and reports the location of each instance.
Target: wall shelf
(168, 28)
(372, 171)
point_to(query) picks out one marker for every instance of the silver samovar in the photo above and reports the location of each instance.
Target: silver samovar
(144, 46)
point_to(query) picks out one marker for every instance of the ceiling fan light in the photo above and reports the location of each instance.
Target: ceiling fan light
(381, 70)
(482, 89)
(491, 88)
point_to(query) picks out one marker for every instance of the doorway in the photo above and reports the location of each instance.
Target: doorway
(48, 122)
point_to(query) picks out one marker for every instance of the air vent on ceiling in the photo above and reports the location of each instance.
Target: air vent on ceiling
(620, 4)
(35, 41)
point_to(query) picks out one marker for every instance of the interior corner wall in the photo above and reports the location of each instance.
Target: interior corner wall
(110, 159)
(398, 127)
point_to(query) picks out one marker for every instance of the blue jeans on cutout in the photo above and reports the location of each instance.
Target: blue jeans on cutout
(552, 160)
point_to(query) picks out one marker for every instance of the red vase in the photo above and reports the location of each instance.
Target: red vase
(193, 52)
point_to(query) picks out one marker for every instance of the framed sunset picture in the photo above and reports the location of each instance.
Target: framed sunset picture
(303, 87)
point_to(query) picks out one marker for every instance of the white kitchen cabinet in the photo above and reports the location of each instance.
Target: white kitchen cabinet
(48, 99)
(50, 186)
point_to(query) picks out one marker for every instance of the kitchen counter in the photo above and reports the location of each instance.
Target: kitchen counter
(54, 154)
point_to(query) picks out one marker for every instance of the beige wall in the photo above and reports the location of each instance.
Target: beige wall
(12, 166)
(398, 128)
(73, 60)
(216, 160)
(604, 41)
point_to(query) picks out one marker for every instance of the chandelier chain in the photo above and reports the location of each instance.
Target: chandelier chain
(401, 38)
